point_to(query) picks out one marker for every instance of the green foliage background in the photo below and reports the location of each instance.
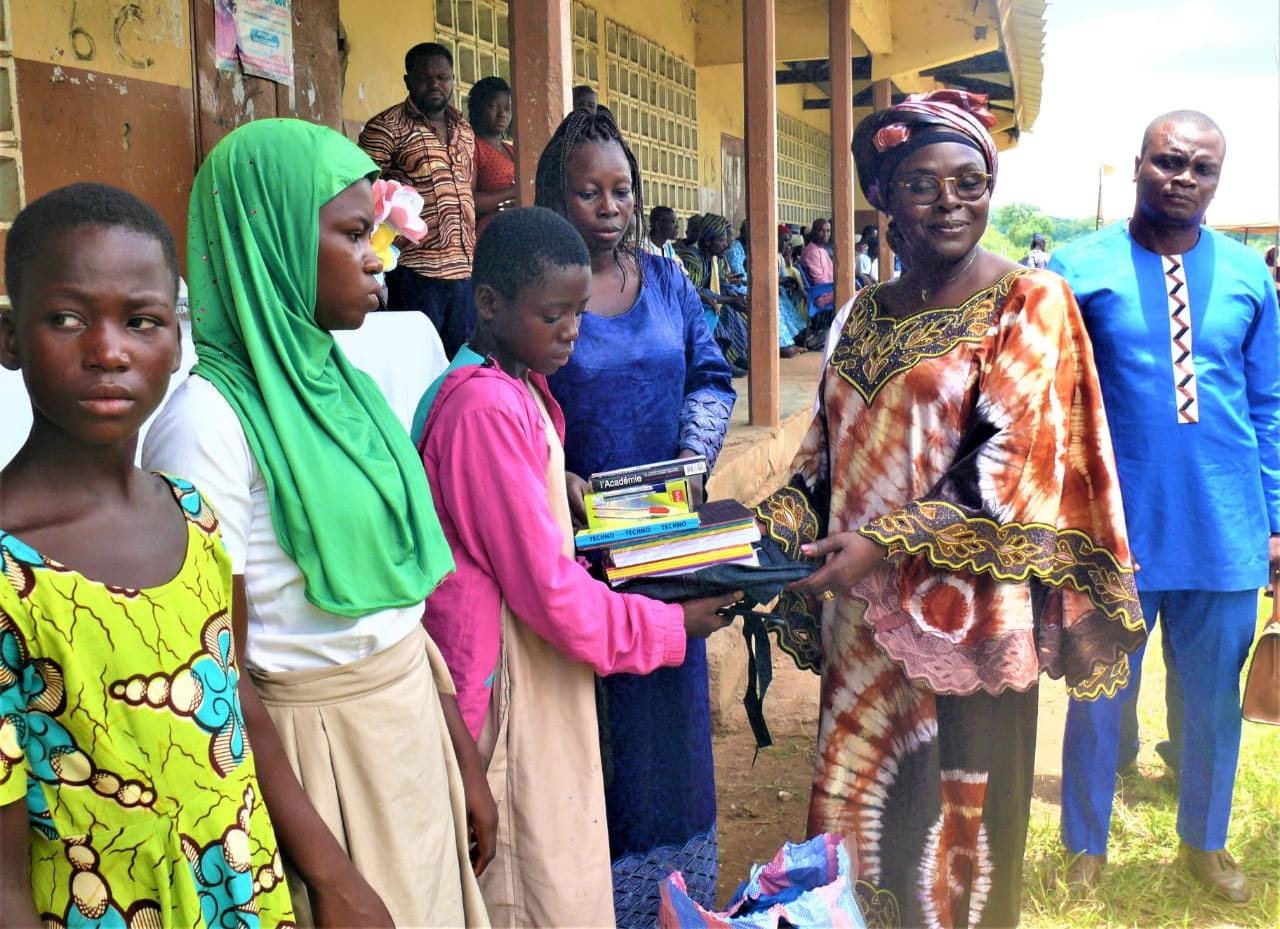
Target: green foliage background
(1010, 228)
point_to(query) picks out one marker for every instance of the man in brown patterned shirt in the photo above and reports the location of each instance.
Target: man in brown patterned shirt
(424, 141)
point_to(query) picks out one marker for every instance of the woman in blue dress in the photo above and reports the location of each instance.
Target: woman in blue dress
(646, 382)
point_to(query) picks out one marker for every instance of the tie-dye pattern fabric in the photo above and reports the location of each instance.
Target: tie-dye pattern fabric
(120, 725)
(971, 442)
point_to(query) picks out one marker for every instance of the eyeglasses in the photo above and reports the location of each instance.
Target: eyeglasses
(925, 188)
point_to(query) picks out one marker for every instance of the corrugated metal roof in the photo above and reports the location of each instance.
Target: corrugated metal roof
(1022, 34)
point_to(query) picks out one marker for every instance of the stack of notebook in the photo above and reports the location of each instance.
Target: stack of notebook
(644, 511)
(725, 533)
(641, 517)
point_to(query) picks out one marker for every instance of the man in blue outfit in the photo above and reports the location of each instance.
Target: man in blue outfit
(1184, 328)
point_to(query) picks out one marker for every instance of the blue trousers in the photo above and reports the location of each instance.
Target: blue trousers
(1129, 741)
(1209, 634)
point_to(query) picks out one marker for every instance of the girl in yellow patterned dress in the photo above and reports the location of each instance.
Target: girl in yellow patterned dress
(128, 795)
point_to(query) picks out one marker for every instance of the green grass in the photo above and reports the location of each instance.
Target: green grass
(1143, 886)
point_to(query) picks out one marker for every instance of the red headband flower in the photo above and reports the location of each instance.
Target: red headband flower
(890, 136)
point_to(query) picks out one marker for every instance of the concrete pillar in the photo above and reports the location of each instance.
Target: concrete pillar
(882, 99)
(841, 51)
(541, 71)
(761, 105)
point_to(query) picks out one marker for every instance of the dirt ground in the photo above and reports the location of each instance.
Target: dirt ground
(763, 801)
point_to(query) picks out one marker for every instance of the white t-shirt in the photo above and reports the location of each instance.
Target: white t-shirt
(197, 435)
(401, 351)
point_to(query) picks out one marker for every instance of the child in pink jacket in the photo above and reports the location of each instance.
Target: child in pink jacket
(521, 624)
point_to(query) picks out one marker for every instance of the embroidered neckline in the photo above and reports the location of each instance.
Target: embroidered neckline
(875, 314)
(873, 349)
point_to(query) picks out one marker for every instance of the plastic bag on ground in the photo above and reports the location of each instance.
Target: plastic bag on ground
(810, 885)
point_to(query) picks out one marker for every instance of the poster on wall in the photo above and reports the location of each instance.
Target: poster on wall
(257, 35)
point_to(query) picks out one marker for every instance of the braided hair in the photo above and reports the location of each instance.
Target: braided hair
(582, 127)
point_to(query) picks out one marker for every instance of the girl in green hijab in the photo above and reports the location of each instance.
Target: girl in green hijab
(327, 516)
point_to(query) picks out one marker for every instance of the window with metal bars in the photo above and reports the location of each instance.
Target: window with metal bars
(478, 34)
(11, 185)
(653, 94)
(804, 172)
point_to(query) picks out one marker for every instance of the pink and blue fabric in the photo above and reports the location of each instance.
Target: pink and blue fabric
(806, 884)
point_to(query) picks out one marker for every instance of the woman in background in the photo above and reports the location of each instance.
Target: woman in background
(702, 251)
(644, 345)
(494, 182)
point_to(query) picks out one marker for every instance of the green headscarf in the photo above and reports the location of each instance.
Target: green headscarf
(349, 497)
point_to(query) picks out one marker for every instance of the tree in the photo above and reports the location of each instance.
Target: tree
(1063, 231)
(993, 240)
(1017, 222)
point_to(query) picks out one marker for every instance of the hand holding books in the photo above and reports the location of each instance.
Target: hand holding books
(697, 480)
(577, 490)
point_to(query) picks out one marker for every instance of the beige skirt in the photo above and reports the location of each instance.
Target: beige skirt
(369, 745)
(542, 747)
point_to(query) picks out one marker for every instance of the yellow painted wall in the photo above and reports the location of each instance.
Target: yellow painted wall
(791, 101)
(146, 39)
(668, 22)
(719, 112)
(930, 33)
(873, 24)
(378, 35)
(800, 30)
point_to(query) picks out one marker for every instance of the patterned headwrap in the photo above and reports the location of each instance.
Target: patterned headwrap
(884, 139)
(713, 227)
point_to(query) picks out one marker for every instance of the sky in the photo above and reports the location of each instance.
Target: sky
(1111, 66)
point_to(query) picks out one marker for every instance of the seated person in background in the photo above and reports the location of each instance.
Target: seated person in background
(702, 252)
(795, 247)
(862, 265)
(817, 263)
(662, 232)
(792, 303)
(736, 258)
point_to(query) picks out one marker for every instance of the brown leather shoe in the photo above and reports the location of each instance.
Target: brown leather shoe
(1084, 872)
(1218, 871)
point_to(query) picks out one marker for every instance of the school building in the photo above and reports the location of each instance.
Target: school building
(739, 107)
(129, 92)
